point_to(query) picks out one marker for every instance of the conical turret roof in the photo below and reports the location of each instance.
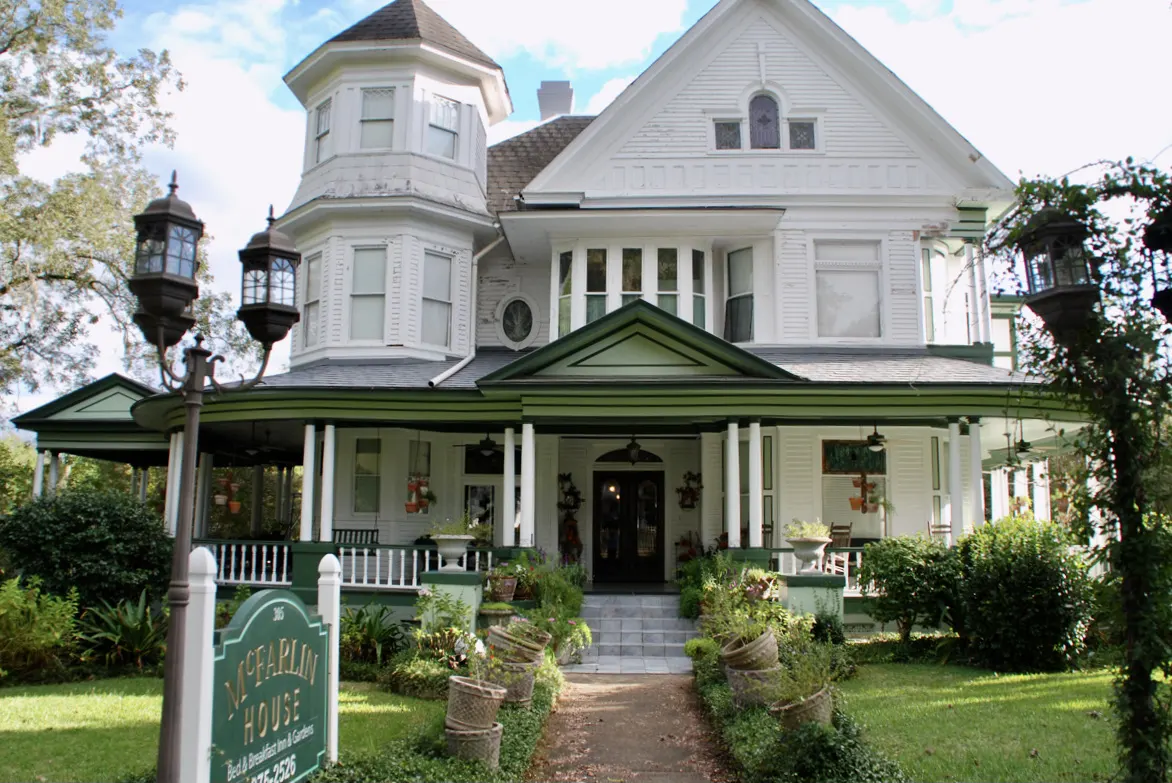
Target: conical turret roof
(414, 20)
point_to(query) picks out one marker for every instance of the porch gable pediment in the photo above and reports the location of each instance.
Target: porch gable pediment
(638, 341)
(106, 400)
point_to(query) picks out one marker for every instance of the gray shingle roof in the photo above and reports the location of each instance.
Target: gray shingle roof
(910, 366)
(413, 20)
(513, 163)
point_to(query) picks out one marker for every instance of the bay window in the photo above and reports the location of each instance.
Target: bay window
(848, 282)
(321, 138)
(565, 291)
(368, 293)
(738, 307)
(437, 299)
(595, 283)
(443, 127)
(632, 274)
(377, 126)
(312, 307)
(699, 271)
(668, 276)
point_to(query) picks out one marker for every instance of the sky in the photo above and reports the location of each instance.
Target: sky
(1038, 86)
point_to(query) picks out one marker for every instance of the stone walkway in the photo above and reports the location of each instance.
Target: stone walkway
(629, 729)
(627, 664)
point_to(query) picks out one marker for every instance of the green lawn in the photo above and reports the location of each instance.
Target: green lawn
(108, 729)
(946, 723)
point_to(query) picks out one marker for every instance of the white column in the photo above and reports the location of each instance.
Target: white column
(203, 494)
(174, 471)
(1021, 483)
(143, 484)
(169, 486)
(327, 483)
(732, 485)
(528, 483)
(329, 606)
(39, 475)
(756, 491)
(308, 469)
(1000, 493)
(505, 533)
(196, 689)
(977, 475)
(955, 485)
(1042, 490)
(54, 473)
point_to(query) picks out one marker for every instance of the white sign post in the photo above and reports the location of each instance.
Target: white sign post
(329, 607)
(195, 704)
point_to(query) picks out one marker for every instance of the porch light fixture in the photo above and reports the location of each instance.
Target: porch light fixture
(875, 441)
(633, 449)
(488, 446)
(1157, 238)
(1023, 448)
(165, 264)
(1062, 287)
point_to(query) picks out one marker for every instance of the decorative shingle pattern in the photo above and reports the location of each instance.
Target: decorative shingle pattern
(513, 163)
(413, 20)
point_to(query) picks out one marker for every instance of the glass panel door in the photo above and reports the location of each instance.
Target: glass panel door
(628, 527)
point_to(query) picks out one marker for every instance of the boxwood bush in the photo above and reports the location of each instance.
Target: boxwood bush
(107, 545)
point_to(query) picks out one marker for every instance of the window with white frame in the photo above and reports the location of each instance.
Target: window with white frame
(366, 475)
(929, 300)
(738, 307)
(632, 274)
(764, 123)
(311, 310)
(847, 276)
(938, 479)
(802, 134)
(378, 118)
(727, 134)
(565, 291)
(321, 139)
(437, 299)
(595, 283)
(699, 270)
(443, 127)
(667, 282)
(368, 293)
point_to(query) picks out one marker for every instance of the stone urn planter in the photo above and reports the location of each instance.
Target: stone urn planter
(748, 654)
(754, 687)
(809, 551)
(496, 618)
(818, 708)
(452, 549)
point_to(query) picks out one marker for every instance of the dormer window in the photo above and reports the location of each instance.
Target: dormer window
(321, 141)
(378, 118)
(443, 127)
(764, 123)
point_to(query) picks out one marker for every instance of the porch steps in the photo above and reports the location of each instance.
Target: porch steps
(636, 626)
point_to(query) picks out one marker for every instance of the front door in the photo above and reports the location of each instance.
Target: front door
(628, 527)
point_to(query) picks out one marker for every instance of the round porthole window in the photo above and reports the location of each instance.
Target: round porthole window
(516, 322)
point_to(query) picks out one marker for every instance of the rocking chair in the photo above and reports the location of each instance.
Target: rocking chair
(840, 538)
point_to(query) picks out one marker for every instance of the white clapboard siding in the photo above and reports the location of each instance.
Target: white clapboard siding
(794, 297)
(909, 470)
(502, 277)
(903, 288)
(396, 295)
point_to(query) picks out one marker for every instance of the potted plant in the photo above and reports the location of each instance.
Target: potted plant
(451, 539)
(809, 540)
(804, 690)
(426, 497)
(689, 492)
(496, 613)
(234, 506)
(502, 582)
(220, 499)
(571, 496)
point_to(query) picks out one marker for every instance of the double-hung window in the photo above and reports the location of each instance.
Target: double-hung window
(312, 307)
(321, 139)
(378, 118)
(632, 274)
(668, 274)
(366, 475)
(565, 291)
(738, 308)
(443, 127)
(698, 272)
(595, 283)
(437, 299)
(368, 293)
(848, 276)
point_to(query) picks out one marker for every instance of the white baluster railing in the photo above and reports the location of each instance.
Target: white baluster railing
(841, 562)
(394, 568)
(249, 563)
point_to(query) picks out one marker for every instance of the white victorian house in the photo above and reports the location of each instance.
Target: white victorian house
(758, 269)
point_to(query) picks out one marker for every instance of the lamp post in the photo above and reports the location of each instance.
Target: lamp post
(165, 266)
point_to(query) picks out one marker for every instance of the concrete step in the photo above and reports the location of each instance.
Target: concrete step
(643, 637)
(634, 651)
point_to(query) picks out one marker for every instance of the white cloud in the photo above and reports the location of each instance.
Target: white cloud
(606, 94)
(1042, 87)
(571, 36)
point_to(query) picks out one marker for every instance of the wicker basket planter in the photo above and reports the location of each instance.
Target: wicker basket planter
(530, 634)
(503, 588)
(818, 708)
(476, 745)
(760, 653)
(516, 678)
(509, 648)
(754, 687)
(474, 702)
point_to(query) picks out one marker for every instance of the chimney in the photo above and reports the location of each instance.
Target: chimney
(554, 98)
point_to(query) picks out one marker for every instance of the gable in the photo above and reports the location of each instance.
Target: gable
(114, 404)
(637, 352)
(106, 400)
(875, 135)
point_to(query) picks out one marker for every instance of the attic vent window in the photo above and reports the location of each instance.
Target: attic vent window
(516, 322)
(764, 123)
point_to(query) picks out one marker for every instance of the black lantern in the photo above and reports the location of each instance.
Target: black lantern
(875, 441)
(165, 264)
(1158, 239)
(1062, 288)
(634, 450)
(268, 304)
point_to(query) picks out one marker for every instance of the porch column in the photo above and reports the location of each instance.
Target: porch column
(505, 534)
(528, 483)
(54, 476)
(732, 485)
(39, 475)
(203, 493)
(955, 483)
(327, 484)
(976, 474)
(1042, 490)
(1021, 483)
(756, 491)
(999, 499)
(308, 469)
(174, 471)
(258, 499)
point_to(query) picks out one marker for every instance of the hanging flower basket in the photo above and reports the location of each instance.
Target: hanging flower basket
(220, 500)
(234, 487)
(233, 506)
(856, 503)
(411, 507)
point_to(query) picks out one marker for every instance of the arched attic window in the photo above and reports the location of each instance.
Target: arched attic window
(764, 123)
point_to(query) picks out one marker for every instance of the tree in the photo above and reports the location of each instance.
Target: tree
(1115, 368)
(66, 248)
(17, 461)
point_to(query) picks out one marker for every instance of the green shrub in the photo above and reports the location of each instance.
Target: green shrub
(370, 634)
(36, 629)
(359, 671)
(107, 545)
(1027, 596)
(700, 647)
(411, 674)
(129, 633)
(557, 590)
(828, 628)
(830, 754)
(690, 602)
(909, 581)
(226, 610)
